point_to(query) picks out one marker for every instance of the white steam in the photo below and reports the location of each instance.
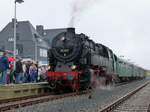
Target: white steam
(78, 8)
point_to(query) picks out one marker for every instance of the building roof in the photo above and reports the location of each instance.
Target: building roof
(38, 38)
(28, 27)
(49, 34)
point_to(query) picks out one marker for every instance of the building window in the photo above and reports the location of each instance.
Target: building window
(40, 40)
(2, 47)
(20, 48)
(43, 52)
(45, 33)
(17, 36)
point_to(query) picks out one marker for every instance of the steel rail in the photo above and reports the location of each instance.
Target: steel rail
(45, 94)
(32, 101)
(22, 98)
(116, 103)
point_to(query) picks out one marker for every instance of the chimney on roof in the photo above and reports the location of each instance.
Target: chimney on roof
(40, 29)
(13, 20)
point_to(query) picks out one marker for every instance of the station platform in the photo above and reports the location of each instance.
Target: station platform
(13, 91)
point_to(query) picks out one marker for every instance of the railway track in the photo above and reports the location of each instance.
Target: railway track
(31, 101)
(4, 101)
(23, 102)
(121, 105)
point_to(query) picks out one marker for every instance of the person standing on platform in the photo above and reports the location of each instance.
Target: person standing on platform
(24, 72)
(27, 69)
(19, 72)
(33, 73)
(4, 66)
(11, 75)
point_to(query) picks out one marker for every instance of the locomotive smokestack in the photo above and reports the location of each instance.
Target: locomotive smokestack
(71, 30)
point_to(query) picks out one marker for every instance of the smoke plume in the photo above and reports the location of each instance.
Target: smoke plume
(78, 8)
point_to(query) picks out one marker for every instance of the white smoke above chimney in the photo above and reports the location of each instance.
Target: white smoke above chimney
(78, 8)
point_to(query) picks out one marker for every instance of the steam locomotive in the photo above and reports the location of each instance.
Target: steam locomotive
(77, 62)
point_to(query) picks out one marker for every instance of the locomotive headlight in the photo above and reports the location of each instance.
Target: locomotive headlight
(62, 38)
(49, 67)
(73, 67)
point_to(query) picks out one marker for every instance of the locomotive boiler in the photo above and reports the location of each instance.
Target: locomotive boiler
(77, 62)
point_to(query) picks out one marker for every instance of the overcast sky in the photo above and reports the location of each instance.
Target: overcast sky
(122, 25)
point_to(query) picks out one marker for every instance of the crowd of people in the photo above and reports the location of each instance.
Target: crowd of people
(26, 71)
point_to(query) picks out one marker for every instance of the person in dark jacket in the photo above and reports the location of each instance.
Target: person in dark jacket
(19, 71)
(27, 75)
(4, 66)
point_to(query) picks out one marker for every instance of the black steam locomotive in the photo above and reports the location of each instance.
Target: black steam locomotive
(77, 62)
